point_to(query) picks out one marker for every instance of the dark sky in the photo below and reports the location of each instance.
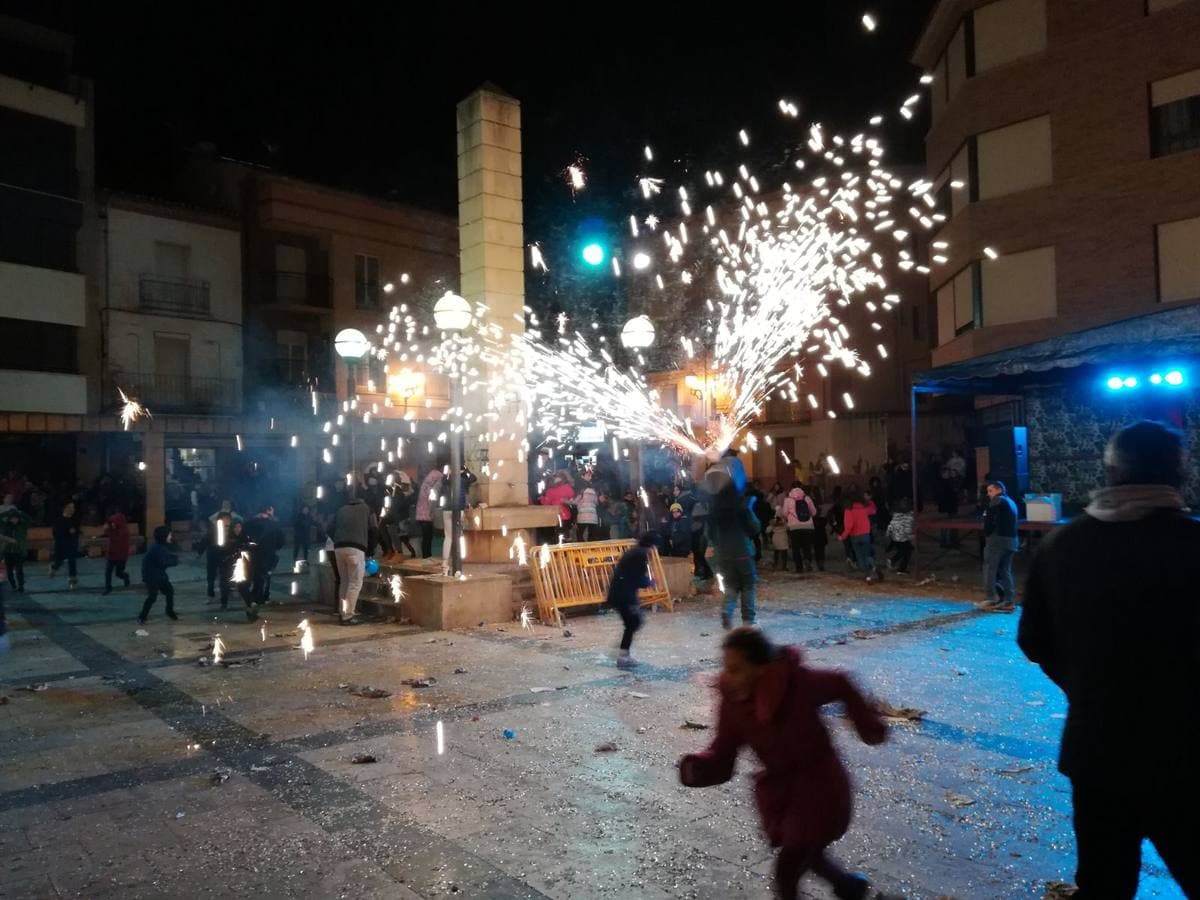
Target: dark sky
(362, 94)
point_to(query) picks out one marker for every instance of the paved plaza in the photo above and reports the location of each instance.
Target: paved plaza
(128, 769)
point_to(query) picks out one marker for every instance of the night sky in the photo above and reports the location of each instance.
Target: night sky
(362, 95)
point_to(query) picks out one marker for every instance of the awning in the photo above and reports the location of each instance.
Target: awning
(1169, 336)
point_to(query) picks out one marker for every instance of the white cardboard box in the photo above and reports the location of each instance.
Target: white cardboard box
(1043, 507)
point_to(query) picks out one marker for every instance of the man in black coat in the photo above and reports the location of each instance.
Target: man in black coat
(631, 574)
(1111, 615)
(1000, 546)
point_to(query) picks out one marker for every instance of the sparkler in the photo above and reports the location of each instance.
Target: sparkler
(306, 637)
(131, 410)
(239, 568)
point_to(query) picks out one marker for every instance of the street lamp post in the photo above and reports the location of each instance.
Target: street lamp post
(452, 315)
(351, 345)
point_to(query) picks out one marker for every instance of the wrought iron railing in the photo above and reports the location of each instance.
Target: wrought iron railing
(180, 296)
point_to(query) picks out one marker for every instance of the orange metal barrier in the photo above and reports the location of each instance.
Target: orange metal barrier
(579, 574)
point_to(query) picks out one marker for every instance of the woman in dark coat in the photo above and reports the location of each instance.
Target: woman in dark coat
(771, 701)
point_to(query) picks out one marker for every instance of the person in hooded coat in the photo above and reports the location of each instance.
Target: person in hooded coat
(116, 529)
(731, 526)
(771, 702)
(800, 513)
(159, 557)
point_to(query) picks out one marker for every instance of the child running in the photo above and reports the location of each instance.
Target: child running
(771, 701)
(631, 574)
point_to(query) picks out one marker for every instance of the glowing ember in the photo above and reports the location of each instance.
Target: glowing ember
(306, 637)
(218, 649)
(131, 410)
(526, 619)
(395, 586)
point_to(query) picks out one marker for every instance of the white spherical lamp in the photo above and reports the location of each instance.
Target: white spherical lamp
(638, 333)
(452, 313)
(351, 344)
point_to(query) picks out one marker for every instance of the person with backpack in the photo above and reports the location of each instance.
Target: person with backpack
(155, 563)
(799, 512)
(771, 701)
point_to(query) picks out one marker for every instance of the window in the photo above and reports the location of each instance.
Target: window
(1178, 260)
(1008, 30)
(172, 261)
(370, 375)
(958, 304)
(366, 281)
(1018, 287)
(1014, 158)
(1175, 114)
(291, 356)
(291, 273)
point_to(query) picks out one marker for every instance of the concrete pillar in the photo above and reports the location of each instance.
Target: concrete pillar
(492, 264)
(154, 455)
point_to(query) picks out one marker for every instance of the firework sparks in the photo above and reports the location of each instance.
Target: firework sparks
(306, 637)
(218, 650)
(526, 619)
(239, 568)
(517, 551)
(263, 630)
(868, 22)
(535, 257)
(395, 585)
(441, 738)
(131, 410)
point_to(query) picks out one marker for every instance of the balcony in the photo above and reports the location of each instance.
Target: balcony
(176, 393)
(174, 296)
(296, 289)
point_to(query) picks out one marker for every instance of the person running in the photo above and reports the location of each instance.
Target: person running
(66, 543)
(1000, 531)
(632, 573)
(157, 560)
(799, 512)
(771, 701)
(14, 525)
(856, 530)
(116, 555)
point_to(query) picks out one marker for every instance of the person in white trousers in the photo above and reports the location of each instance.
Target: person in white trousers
(354, 533)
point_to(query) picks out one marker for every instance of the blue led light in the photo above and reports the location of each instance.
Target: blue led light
(1174, 378)
(1156, 379)
(1115, 383)
(1131, 382)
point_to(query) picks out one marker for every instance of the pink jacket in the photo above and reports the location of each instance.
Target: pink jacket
(794, 498)
(858, 520)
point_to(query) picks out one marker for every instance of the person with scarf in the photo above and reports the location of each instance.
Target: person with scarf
(1110, 614)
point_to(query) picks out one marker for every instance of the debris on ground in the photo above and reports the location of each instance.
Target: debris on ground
(1059, 890)
(460, 671)
(904, 715)
(1020, 770)
(363, 759)
(34, 687)
(540, 690)
(3, 700)
(567, 632)
(365, 690)
(694, 725)
(606, 747)
(220, 776)
(861, 634)
(641, 729)
(509, 734)
(142, 632)
(855, 612)
(638, 695)
(420, 682)
(959, 801)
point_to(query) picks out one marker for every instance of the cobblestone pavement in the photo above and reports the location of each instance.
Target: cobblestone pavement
(129, 770)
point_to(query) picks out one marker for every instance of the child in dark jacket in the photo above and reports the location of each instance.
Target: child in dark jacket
(158, 559)
(631, 574)
(771, 701)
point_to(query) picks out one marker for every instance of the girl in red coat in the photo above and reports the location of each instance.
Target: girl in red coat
(116, 529)
(771, 701)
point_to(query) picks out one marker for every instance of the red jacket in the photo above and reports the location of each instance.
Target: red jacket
(116, 529)
(803, 790)
(558, 495)
(857, 520)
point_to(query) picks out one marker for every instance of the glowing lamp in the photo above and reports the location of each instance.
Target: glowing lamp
(452, 313)
(351, 344)
(1156, 379)
(593, 254)
(1174, 378)
(638, 333)
(1115, 383)
(1131, 382)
